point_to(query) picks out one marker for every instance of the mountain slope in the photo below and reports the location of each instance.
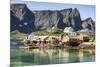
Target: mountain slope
(88, 24)
(27, 21)
(22, 18)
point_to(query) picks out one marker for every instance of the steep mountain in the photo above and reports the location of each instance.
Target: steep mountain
(27, 21)
(58, 18)
(47, 19)
(22, 18)
(71, 17)
(88, 24)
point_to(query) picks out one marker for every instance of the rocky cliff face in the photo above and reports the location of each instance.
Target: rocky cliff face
(22, 18)
(71, 17)
(47, 19)
(88, 24)
(27, 21)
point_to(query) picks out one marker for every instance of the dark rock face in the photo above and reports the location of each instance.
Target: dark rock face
(71, 17)
(47, 19)
(88, 24)
(61, 19)
(26, 21)
(22, 18)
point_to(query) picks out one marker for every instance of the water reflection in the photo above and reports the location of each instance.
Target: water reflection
(87, 54)
(51, 56)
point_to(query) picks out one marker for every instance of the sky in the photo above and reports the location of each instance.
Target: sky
(85, 10)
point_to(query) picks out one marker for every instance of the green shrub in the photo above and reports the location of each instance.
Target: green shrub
(45, 32)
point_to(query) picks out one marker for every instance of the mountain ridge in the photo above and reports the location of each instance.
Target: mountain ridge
(27, 21)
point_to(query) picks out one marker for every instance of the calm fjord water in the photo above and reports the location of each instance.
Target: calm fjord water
(25, 57)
